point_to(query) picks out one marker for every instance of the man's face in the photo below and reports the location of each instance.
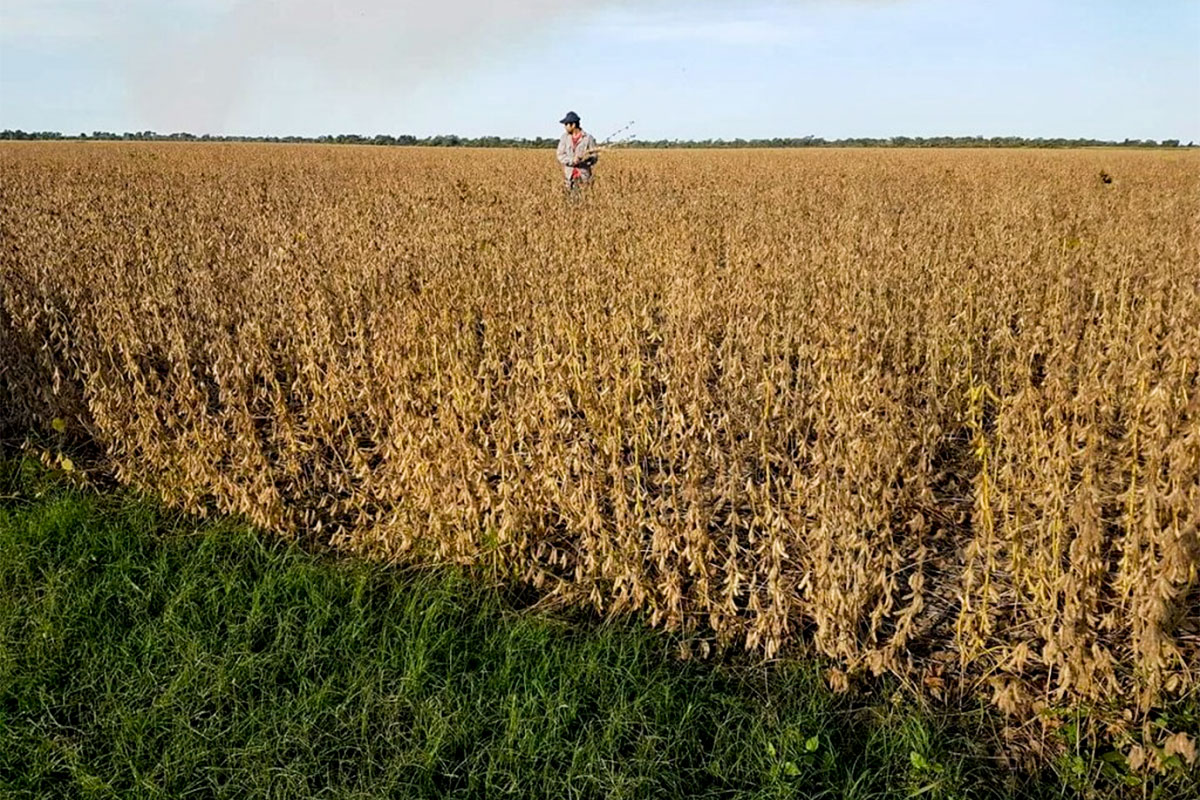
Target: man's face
(570, 126)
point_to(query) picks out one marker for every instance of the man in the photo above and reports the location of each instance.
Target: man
(576, 152)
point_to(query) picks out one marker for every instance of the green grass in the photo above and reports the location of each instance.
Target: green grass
(145, 654)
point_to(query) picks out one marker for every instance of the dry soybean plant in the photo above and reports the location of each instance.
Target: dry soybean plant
(937, 412)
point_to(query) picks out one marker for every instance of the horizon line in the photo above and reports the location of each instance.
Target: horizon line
(492, 140)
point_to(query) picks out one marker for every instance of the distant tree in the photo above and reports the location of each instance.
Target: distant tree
(543, 142)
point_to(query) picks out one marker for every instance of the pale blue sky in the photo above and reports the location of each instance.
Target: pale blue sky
(832, 68)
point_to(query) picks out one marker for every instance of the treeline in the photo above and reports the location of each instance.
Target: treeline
(913, 141)
(451, 140)
(383, 139)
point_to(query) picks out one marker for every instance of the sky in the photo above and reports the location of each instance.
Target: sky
(678, 70)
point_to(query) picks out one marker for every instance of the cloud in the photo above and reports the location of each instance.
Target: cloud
(729, 32)
(189, 64)
(49, 20)
(194, 80)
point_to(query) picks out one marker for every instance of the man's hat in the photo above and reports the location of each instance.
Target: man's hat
(570, 117)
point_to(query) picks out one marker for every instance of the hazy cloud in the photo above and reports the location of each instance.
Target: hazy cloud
(49, 20)
(190, 63)
(731, 32)
(195, 80)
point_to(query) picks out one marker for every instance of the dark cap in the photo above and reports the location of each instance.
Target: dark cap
(570, 117)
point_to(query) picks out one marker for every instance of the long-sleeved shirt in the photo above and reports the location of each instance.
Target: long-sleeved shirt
(570, 151)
